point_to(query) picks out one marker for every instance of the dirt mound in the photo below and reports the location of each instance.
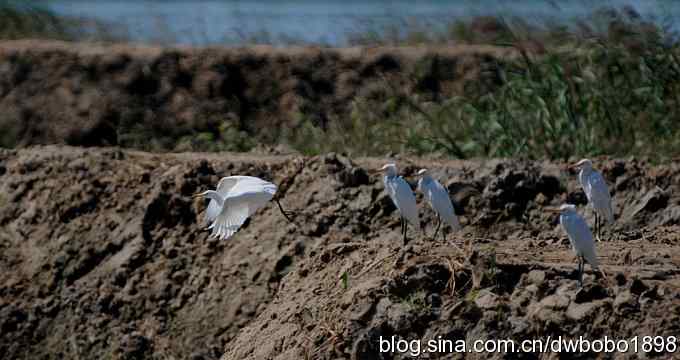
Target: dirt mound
(103, 257)
(84, 94)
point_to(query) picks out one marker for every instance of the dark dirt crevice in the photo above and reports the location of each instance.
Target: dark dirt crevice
(87, 206)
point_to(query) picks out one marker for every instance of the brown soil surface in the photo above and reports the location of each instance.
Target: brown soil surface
(88, 94)
(102, 256)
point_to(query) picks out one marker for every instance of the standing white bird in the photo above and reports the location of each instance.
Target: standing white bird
(438, 198)
(597, 192)
(402, 196)
(580, 237)
(236, 199)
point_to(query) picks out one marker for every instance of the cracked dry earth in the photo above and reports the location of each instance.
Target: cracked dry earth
(102, 256)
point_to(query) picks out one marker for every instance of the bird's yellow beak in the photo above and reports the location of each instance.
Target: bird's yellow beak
(374, 171)
(552, 210)
(196, 195)
(578, 164)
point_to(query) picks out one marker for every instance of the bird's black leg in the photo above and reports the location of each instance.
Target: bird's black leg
(581, 265)
(286, 214)
(439, 223)
(597, 226)
(401, 226)
(405, 230)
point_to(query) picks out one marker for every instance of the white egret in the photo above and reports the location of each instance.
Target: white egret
(236, 199)
(402, 196)
(597, 192)
(436, 195)
(580, 237)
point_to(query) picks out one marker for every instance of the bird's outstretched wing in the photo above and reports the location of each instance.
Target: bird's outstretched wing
(234, 185)
(250, 184)
(236, 210)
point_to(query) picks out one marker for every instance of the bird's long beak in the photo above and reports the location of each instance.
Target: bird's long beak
(196, 195)
(575, 166)
(374, 171)
(552, 210)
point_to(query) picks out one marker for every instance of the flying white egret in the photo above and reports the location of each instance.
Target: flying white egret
(580, 237)
(597, 192)
(402, 196)
(438, 198)
(236, 198)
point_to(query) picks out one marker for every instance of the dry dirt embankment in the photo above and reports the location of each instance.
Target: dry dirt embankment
(83, 94)
(102, 257)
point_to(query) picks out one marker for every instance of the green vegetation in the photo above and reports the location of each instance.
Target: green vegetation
(227, 138)
(345, 280)
(472, 295)
(614, 92)
(31, 19)
(416, 302)
(479, 30)
(22, 20)
(608, 84)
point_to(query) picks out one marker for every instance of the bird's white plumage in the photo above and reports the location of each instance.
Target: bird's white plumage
(236, 210)
(240, 196)
(596, 190)
(579, 234)
(223, 186)
(401, 194)
(436, 195)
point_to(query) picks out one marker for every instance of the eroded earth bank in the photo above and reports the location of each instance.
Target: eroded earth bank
(103, 256)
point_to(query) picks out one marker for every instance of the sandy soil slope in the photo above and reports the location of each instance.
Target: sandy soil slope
(102, 256)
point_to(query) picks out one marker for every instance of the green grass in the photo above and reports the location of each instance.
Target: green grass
(416, 302)
(32, 19)
(613, 93)
(606, 84)
(24, 20)
(227, 138)
(472, 295)
(345, 280)
(413, 31)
